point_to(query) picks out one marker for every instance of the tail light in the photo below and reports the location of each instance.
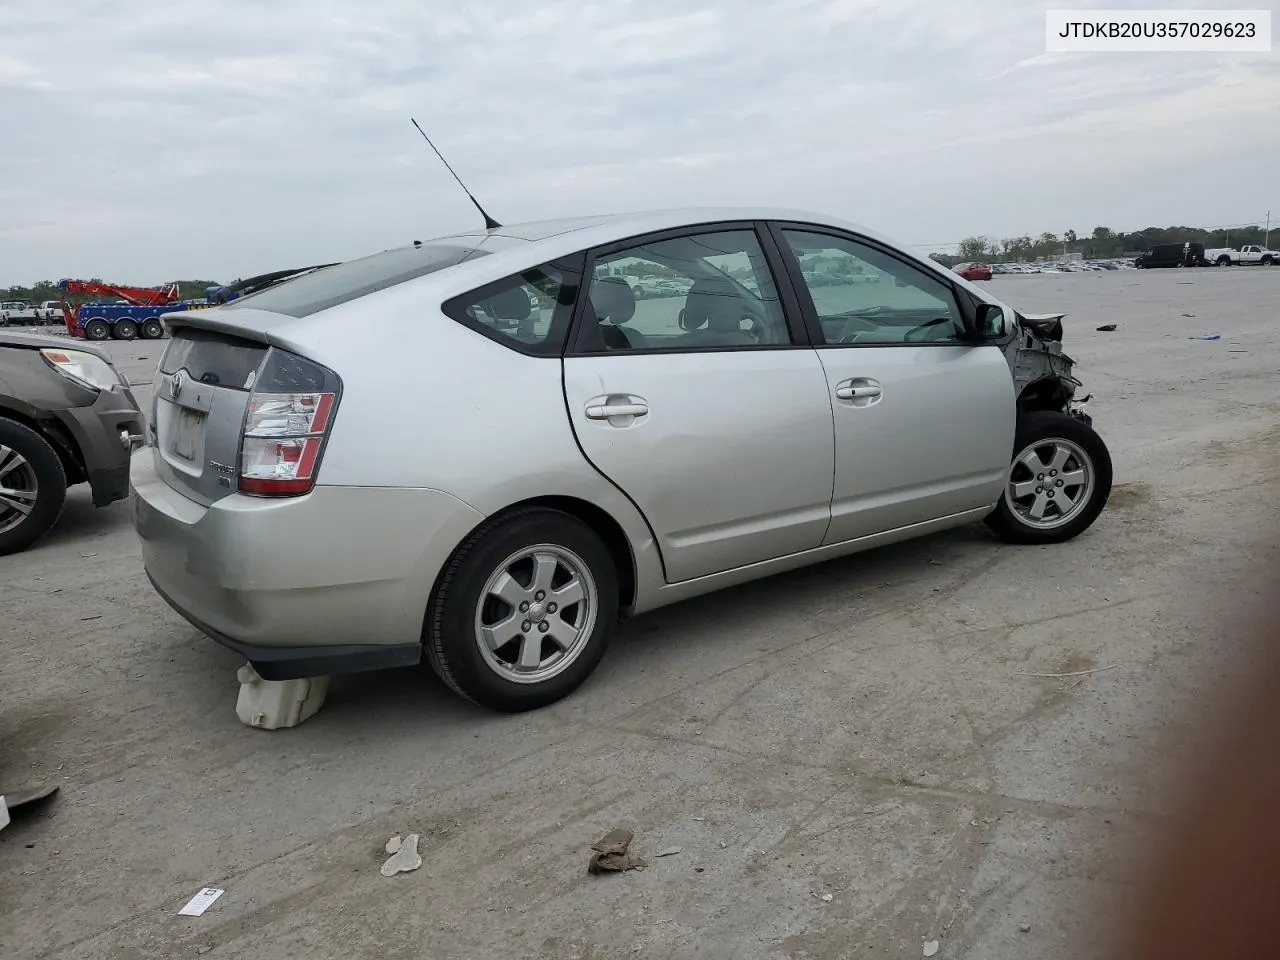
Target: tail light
(291, 407)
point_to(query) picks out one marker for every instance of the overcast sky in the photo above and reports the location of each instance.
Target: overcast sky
(149, 140)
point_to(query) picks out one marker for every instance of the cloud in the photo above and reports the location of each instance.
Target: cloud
(180, 138)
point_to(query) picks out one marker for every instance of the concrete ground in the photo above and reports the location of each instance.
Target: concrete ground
(854, 759)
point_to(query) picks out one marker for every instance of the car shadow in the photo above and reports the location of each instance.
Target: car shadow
(82, 521)
(414, 698)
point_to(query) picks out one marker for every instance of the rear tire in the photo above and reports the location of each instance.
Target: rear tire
(97, 330)
(493, 630)
(125, 330)
(1051, 450)
(151, 330)
(1267, 261)
(28, 465)
(1224, 261)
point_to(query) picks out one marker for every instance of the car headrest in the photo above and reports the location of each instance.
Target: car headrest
(714, 302)
(613, 299)
(510, 304)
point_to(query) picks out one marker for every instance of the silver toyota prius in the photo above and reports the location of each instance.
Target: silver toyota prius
(489, 448)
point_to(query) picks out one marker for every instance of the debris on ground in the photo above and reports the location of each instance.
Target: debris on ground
(1024, 928)
(393, 844)
(405, 857)
(612, 853)
(1107, 328)
(930, 948)
(200, 902)
(668, 852)
(1073, 673)
(1207, 336)
(1188, 314)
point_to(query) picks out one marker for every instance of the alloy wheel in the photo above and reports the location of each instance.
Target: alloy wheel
(536, 613)
(1050, 482)
(19, 488)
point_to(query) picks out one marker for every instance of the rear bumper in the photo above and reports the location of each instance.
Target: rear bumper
(333, 582)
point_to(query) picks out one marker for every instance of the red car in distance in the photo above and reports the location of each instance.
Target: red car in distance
(973, 271)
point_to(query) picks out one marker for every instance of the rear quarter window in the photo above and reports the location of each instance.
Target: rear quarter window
(344, 282)
(528, 312)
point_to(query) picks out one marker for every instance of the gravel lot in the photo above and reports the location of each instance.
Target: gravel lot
(864, 729)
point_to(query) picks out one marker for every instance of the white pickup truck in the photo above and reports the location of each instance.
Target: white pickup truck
(19, 313)
(1252, 253)
(51, 311)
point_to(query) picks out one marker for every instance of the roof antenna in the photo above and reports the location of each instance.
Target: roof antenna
(489, 222)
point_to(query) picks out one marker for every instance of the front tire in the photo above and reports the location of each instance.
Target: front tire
(523, 612)
(1058, 483)
(34, 487)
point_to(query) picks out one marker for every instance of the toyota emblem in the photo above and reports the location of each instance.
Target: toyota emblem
(176, 383)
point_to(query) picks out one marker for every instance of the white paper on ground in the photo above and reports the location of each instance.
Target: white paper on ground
(200, 902)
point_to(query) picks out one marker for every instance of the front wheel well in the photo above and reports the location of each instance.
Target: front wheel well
(605, 526)
(59, 438)
(1048, 394)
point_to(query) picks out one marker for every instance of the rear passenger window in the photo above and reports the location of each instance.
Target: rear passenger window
(529, 312)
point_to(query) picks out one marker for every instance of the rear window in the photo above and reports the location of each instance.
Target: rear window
(213, 358)
(348, 281)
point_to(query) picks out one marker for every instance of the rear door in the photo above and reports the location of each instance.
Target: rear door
(689, 385)
(924, 420)
(200, 395)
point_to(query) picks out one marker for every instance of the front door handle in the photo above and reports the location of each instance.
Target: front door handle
(607, 408)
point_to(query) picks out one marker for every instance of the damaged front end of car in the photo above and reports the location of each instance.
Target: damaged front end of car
(1041, 371)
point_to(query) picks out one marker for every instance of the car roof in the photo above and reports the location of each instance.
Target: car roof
(606, 227)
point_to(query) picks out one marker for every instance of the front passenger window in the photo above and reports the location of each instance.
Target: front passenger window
(863, 296)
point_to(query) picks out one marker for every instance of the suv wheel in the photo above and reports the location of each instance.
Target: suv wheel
(1058, 483)
(33, 486)
(523, 611)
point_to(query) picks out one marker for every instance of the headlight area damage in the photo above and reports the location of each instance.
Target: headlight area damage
(1041, 371)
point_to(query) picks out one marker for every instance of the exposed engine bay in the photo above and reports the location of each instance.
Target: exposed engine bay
(1041, 371)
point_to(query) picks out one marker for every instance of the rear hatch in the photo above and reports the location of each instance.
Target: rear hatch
(201, 395)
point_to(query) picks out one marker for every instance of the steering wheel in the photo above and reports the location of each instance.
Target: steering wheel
(906, 337)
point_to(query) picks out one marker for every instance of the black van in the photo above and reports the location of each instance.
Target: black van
(1173, 255)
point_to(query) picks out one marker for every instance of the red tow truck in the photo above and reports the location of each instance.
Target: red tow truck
(131, 312)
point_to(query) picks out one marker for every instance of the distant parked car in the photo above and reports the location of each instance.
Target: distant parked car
(66, 417)
(496, 491)
(973, 271)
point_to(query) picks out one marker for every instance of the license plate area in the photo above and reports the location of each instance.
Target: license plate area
(182, 438)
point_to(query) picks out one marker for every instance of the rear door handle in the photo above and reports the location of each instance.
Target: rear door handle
(606, 408)
(847, 391)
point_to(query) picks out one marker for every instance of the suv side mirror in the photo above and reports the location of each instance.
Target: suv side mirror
(990, 322)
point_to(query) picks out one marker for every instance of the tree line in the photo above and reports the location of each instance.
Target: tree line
(1102, 243)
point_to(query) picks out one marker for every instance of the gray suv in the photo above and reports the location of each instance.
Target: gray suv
(67, 416)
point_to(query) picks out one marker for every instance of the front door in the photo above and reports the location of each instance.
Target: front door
(924, 420)
(687, 388)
